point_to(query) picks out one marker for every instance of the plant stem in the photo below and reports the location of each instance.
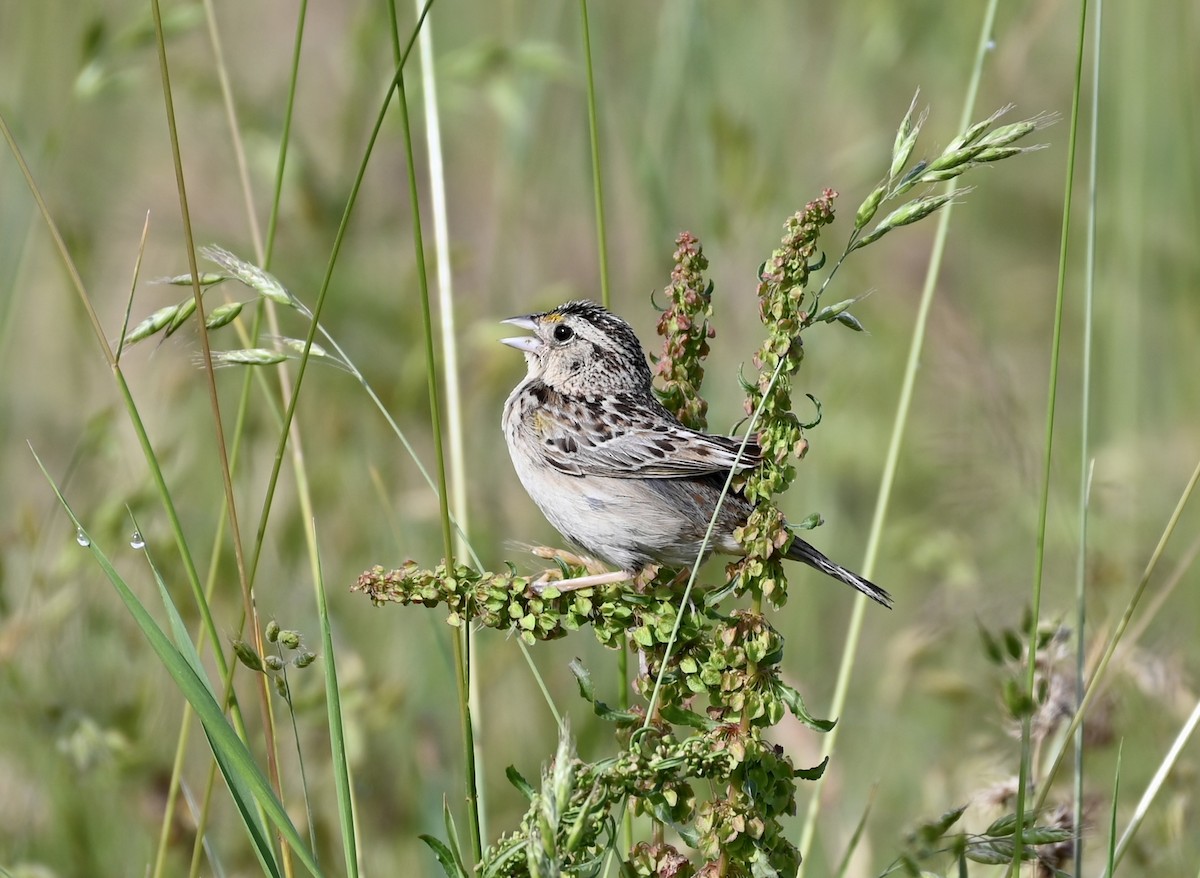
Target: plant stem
(1024, 778)
(597, 179)
(248, 603)
(461, 654)
(892, 459)
(1086, 465)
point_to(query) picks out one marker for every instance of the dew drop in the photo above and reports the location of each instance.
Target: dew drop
(82, 538)
(136, 541)
(991, 45)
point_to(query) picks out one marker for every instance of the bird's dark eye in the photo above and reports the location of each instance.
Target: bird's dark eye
(562, 332)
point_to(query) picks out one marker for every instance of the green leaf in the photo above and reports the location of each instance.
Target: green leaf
(796, 705)
(240, 770)
(243, 799)
(452, 837)
(444, 857)
(680, 717)
(586, 689)
(813, 773)
(817, 420)
(518, 780)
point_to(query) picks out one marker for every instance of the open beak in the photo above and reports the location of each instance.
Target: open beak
(530, 344)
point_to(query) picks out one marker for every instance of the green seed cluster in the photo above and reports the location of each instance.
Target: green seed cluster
(507, 602)
(781, 301)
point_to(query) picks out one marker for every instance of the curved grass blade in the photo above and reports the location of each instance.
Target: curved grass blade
(236, 762)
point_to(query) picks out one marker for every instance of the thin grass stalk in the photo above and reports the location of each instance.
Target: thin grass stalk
(291, 709)
(445, 282)
(235, 134)
(285, 135)
(137, 268)
(263, 257)
(450, 368)
(60, 245)
(1164, 592)
(892, 459)
(8, 302)
(1152, 789)
(1112, 814)
(1024, 778)
(623, 704)
(315, 314)
(1115, 637)
(337, 739)
(597, 177)
(605, 300)
(139, 428)
(222, 451)
(461, 654)
(238, 432)
(1086, 465)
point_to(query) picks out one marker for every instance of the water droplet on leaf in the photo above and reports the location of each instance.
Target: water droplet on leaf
(136, 541)
(82, 538)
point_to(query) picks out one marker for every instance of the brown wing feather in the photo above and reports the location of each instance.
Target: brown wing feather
(634, 441)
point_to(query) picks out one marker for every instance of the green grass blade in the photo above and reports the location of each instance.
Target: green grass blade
(856, 836)
(1024, 776)
(1156, 783)
(235, 759)
(337, 737)
(444, 857)
(594, 140)
(1112, 814)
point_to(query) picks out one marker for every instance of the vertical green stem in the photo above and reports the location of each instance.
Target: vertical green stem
(450, 370)
(461, 655)
(1024, 778)
(222, 451)
(892, 460)
(1085, 464)
(597, 179)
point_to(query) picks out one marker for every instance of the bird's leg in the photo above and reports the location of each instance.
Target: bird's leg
(597, 574)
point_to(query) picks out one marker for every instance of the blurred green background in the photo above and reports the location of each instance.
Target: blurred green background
(719, 118)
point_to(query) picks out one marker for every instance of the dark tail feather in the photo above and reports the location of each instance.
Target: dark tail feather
(802, 551)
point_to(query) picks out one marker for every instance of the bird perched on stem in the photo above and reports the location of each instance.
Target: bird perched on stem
(615, 472)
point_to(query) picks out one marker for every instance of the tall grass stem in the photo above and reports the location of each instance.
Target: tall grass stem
(1086, 464)
(459, 477)
(597, 175)
(214, 400)
(892, 458)
(462, 658)
(1024, 778)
